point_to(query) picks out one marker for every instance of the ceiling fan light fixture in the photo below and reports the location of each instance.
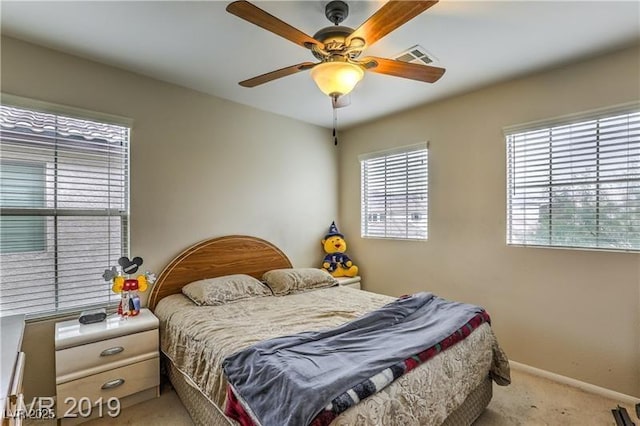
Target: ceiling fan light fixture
(336, 78)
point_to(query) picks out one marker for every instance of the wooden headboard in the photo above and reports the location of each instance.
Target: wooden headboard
(233, 254)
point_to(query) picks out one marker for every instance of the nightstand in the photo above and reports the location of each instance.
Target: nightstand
(100, 366)
(353, 282)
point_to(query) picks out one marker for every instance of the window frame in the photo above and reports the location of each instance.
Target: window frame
(383, 217)
(577, 119)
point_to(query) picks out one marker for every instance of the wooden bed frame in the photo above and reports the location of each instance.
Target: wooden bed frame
(241, 254)
(232, 254)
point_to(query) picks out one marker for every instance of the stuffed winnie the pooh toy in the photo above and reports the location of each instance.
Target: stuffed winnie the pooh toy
(336, 262)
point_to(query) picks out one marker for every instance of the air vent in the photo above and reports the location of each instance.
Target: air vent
(417, 54)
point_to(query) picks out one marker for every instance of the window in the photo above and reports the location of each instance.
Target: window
(576, 183)
(23, 185)
(64, 220)
(394, 193)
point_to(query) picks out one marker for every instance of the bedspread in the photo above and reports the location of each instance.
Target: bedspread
(198, 339)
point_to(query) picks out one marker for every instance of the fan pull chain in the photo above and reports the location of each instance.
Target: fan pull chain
(335, 125)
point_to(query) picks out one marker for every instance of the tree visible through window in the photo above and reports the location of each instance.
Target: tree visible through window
(576, 184)
(394, 193)
(64, 199)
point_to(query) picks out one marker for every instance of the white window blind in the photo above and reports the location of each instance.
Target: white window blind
(64, 210)
(394, 193)
(576, 184)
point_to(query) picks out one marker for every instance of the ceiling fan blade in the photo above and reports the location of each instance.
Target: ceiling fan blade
(255, 15)
(392, 15)
(425, 73)
(273, 75)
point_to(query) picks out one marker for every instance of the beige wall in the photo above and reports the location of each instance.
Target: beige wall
(575, 313)
(200, 167)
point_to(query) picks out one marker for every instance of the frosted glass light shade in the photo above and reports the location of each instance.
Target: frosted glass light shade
(336, 78)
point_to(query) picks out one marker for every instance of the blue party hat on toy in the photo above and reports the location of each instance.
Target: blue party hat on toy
(333, 231)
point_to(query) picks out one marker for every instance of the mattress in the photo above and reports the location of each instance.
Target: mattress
(197, 339)
(205, 413)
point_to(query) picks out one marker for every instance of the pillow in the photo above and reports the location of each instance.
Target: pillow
(287, 281)
(221, 290)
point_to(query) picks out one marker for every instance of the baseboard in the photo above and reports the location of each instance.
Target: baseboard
(588, 387)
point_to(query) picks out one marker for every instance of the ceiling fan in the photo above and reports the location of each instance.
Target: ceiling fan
(338, 48)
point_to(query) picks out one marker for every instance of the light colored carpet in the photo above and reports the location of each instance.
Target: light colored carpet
(529, 400)
(534, 401)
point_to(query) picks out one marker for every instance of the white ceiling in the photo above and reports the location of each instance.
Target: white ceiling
(197, 44)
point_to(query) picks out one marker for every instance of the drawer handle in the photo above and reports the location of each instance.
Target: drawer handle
(112, 351)
(113, 384)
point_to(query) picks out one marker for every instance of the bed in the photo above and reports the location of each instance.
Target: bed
(452, 388)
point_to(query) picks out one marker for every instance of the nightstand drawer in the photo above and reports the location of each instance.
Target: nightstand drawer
(99, 356)
(118, 383)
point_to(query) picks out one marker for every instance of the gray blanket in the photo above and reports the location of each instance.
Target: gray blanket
(289, 380)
